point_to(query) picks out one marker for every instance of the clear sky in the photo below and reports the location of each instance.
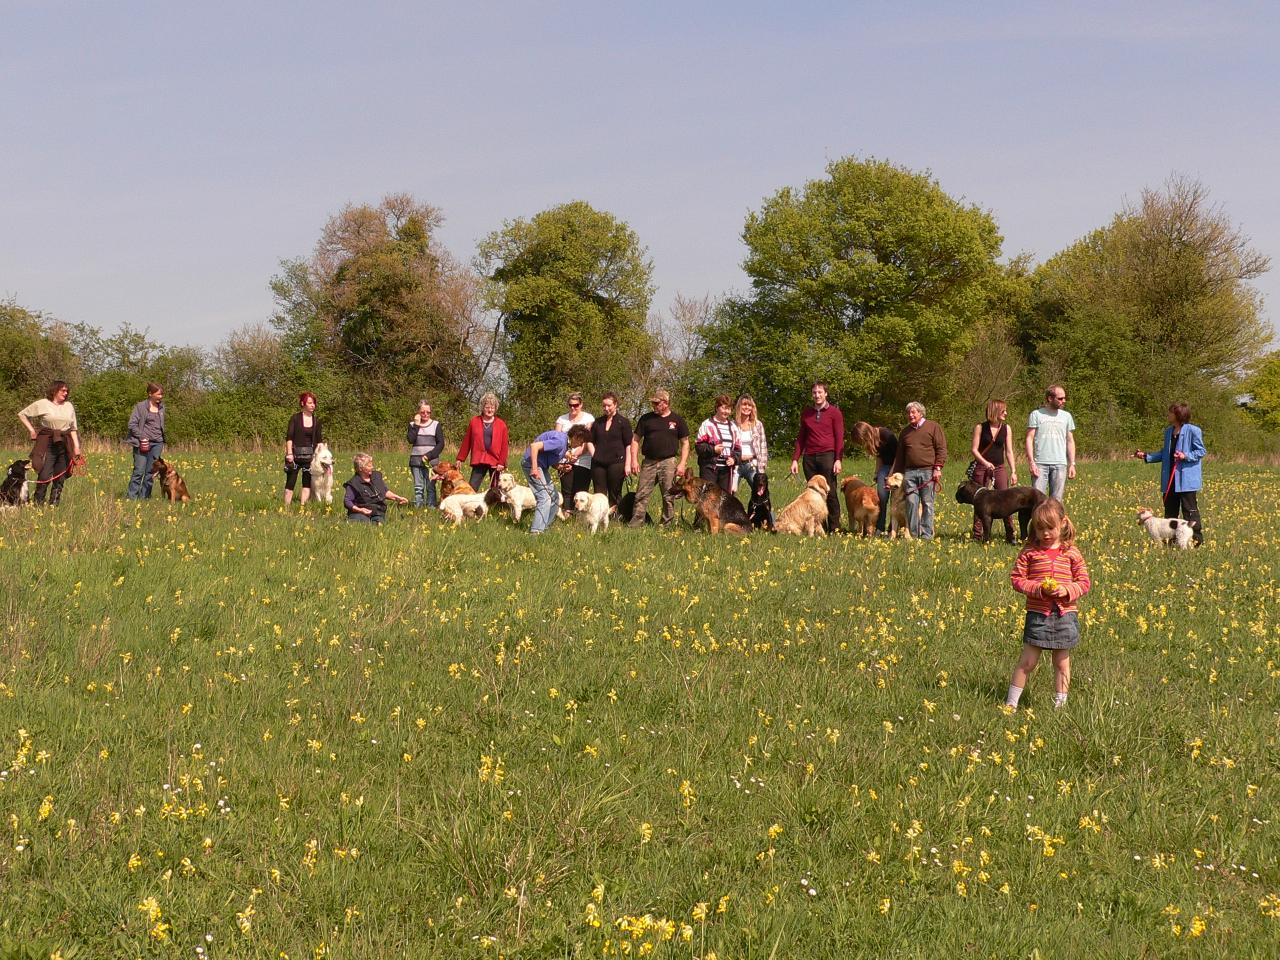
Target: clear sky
(158, 160)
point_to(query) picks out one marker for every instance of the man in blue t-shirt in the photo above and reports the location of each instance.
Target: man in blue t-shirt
(539, 462)
(1051, 444)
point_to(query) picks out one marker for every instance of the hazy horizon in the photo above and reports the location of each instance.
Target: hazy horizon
(160, 162)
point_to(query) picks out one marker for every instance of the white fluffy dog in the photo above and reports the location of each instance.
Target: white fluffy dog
(1172, 530)
(592, 508)
(322, 473)
(456, 506)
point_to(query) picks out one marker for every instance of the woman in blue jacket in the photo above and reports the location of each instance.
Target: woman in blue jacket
(1179, 461)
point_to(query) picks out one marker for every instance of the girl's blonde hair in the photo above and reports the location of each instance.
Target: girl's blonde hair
(737, 410)
(1048, 518)
(994, 409)
(868, 437)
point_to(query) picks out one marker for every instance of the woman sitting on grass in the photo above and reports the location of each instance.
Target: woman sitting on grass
(365, 495)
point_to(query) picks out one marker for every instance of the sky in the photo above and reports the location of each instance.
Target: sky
(159, 160)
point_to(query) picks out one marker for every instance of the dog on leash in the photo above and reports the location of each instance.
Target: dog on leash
(458, 506)
(863, 503)
(991, 505)
(1171, 530)
(760, 507)
(451, 481)
(807, 514)
(723, 512)
(14, 489)
(322, 473)
(174, 487)
(592, 509)
(898, 525)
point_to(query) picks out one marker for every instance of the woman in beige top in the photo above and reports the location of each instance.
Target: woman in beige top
(51, 422)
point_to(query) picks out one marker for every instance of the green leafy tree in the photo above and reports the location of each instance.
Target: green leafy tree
(871, 278)
(573, 287)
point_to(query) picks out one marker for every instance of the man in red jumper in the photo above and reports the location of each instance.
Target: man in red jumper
(820, 443)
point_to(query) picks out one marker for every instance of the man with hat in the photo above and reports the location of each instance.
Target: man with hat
(661, 436)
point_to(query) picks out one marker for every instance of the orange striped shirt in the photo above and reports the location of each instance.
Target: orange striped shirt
(1036, 564)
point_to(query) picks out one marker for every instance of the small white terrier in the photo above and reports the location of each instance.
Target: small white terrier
(1166, 530)
(592, 508)
(322, 473)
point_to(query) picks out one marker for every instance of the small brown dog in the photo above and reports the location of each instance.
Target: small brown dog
(174, 487)
(451, 481)
(723, 511)
(864, 505)
(807, 513)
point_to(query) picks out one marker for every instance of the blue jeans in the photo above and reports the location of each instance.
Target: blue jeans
(1052, 480)
(747, 472)
(140, 479)
(544, 495)
(920, 490)
(363, 518)
(424, 485)
(882, 473)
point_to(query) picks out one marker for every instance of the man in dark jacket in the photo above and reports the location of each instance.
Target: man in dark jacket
(820, 443)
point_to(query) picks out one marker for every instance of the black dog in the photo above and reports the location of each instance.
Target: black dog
(989, 505)
(13, 491)
(627, 508)
(760, 508)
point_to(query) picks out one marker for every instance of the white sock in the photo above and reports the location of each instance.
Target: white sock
(1059, 699)
(1015, 694)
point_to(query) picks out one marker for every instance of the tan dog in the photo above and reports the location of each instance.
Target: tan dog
(516, 495)
(806, 514)
(863, 503)
(174, 487)
(451, 481)
(898, 525)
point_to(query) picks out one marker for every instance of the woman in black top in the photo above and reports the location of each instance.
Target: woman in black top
(610, 450)
(881, 443)
(300, 442)
(993, 450)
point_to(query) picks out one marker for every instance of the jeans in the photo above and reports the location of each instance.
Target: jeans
(544, 495)
(920, 491)
(823, 464)
(608, 478)
(363, 518)
(1052, 480)
(745, 471)
(982, 476)
(140, 479)
(1186, 502)
(655, 473)
(424, 485)
(882, 474)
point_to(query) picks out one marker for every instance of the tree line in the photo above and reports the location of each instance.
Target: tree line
(871, 278)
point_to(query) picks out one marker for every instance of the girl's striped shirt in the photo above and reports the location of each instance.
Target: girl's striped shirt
(1037, 564)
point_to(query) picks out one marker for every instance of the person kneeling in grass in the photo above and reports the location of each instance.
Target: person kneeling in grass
(1052, 574)
(539, 462)
(365, 495)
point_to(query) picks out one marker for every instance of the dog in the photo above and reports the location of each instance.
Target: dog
(1171, 530)
(515, 495)
(864, 505)
(990, 505)
(14, 490)
(723, 512)
(451, 481)
(322, 473)
(626, 508)
(760, 507)
(592, 509)
(807, 514)
(457, 506)
(898, 506)
(174, 487)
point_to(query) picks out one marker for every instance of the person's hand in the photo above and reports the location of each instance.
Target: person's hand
(1061, 593)
(1071, 472)
(729, 462)
(1139, 455)
(288, 458)
(937, 473)
(795, 466)
(1035, 471)
(33, 434)
(1013, 479)
(1179, 455)
(836, 467)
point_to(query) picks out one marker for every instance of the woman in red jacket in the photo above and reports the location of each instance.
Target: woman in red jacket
(486, 441)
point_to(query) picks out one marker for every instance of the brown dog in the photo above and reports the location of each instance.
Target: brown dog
(723, 511)
(451, 481)
(807, 513)
(863, 503)
(174, 487)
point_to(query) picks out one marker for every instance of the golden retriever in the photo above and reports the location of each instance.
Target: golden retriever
(898, 525)
(807, 513)
(451, 481)
(864, 505)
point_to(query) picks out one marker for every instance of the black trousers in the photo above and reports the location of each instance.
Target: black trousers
(722, 477)
(1186, 503)
(479, 473)
(56, 463)
(573, 482)
(823, 464)
(607, 478)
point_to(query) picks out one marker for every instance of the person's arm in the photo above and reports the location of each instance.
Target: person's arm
(1031, 452)
(795, 454)
(535, 448)
(939, 451)
(466, 444)
(975, 449)
(288, 439)
(317, 434)
(395, 497)
(899, 454)
(1071, 454)
(837, 427)
(135, 424)
(1010, 458)
(1197, 450)
(1021, 579)
(684, 454)
(411, 434)
(1080, 582)
(349, 501)
(761, 447)
(503, 446)
(74, 434)
(27, 423)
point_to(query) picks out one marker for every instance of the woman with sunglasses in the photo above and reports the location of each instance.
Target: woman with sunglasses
(575, 470)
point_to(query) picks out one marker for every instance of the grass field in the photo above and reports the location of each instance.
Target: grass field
(228, 731)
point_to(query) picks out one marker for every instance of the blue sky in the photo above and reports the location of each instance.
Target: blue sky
(157, 160)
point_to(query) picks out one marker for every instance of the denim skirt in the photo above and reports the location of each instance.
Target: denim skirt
(1051, 631)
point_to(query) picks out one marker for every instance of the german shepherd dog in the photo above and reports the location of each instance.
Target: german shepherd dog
(760, 508)
(991, 505)
(722, 511)
(174, 487)
(13, 491)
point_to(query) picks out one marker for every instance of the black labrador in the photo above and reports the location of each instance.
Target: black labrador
(990, 505)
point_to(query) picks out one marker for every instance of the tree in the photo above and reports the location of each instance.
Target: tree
(1154, 307)
(572, 286)
(871, 278)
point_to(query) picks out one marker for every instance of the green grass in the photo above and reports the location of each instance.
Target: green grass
(308, 739)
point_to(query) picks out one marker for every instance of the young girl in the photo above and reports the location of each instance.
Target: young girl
(1051, 572)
